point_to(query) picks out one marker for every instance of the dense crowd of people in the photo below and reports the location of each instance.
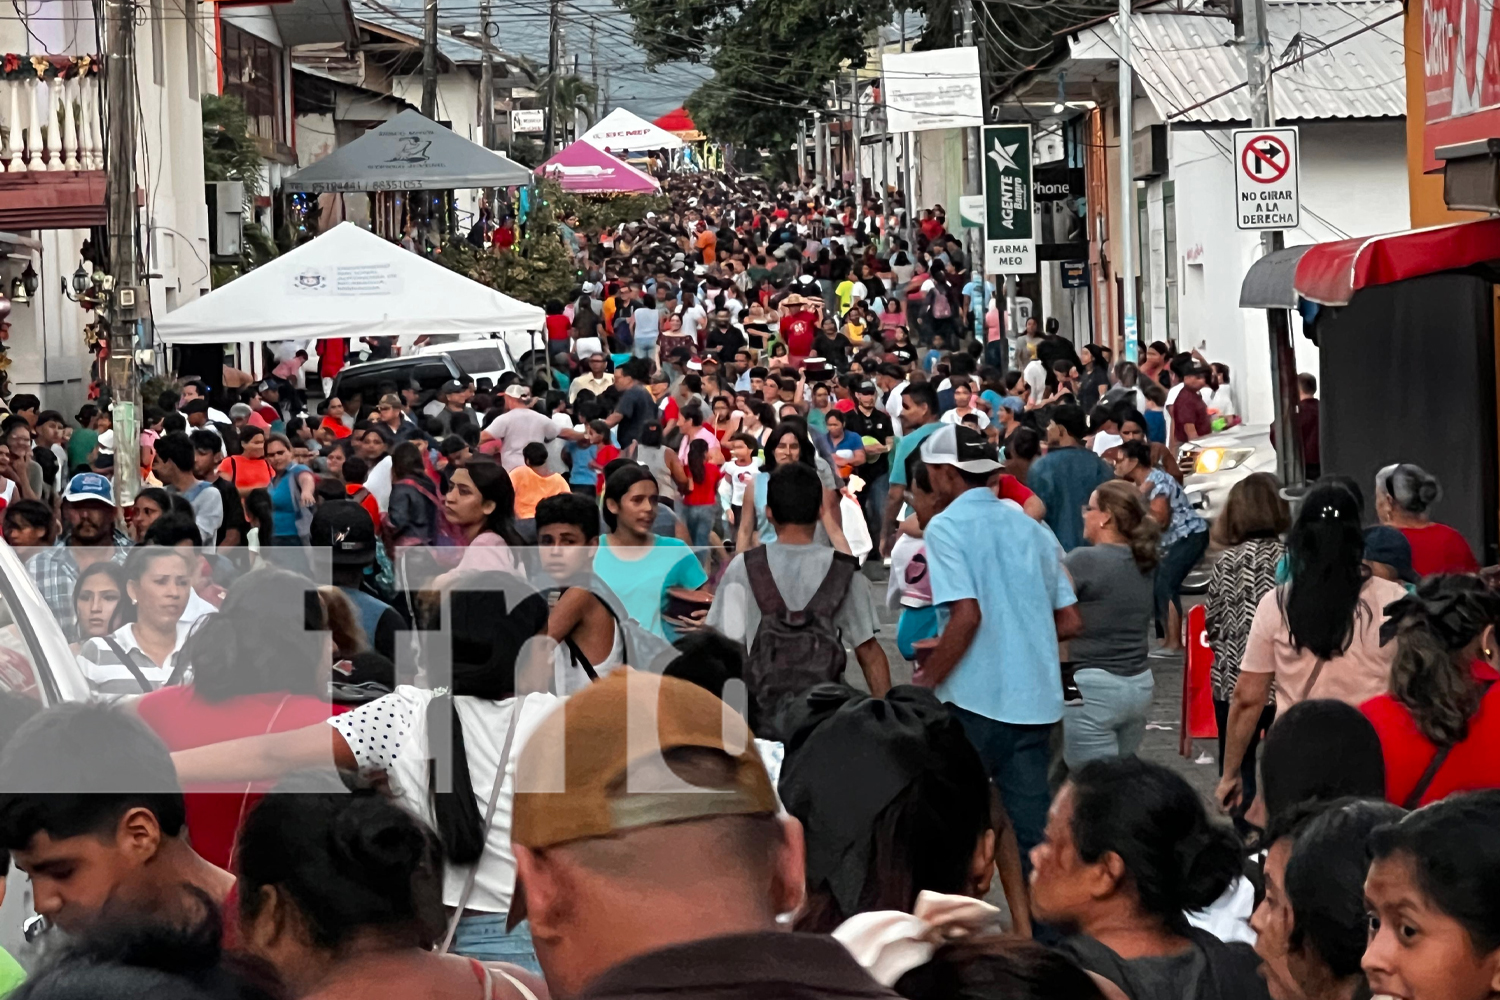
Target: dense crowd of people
(572, 683)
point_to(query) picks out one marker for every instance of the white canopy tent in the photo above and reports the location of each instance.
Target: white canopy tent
(346, 283)
(622, 130)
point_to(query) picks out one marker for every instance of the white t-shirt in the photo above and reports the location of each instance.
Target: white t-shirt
(390, 734)
(692, 319)
(953, 417)
(735, 478)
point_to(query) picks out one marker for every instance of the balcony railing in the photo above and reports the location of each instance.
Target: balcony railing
(51, 124)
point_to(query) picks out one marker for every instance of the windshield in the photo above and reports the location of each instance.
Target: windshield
(478, 360)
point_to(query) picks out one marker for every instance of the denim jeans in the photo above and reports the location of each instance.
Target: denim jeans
(483, 936)
(1016, 758)
(699, 519)
(872, 500)
(1177, 560)
(1111, 722)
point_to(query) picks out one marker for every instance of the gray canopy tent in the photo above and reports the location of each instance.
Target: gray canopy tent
(408, 153)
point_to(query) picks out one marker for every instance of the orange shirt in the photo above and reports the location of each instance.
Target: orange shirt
(246, 473)
(708, 242)
(531, 489)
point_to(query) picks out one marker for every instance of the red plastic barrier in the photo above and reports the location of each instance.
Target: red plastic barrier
(1198, 722)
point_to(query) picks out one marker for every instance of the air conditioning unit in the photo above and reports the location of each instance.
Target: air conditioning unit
(226, 217)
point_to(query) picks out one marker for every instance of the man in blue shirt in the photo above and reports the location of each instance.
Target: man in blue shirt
(1067, 475)
(998, 575)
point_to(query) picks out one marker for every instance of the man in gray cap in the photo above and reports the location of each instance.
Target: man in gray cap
(451, 407)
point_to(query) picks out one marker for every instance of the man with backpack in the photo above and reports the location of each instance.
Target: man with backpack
(797, 605)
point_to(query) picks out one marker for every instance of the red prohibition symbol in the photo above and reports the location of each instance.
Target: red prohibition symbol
(1266, 159)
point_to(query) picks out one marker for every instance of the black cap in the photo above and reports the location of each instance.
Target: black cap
(347, 529)
(450, 387)
(866, 387)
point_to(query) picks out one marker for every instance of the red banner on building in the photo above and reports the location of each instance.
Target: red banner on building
(1461, 60)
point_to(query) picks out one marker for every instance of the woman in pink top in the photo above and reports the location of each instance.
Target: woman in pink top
(481, 504)
(1316, 636)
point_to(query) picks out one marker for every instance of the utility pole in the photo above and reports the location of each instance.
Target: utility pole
(858, 199)
(429, 59)
(594, 66)
(1258, 67)
(554, 40)
(486, 80)
(122, 285)
(1124, 253)
(907, 181)
(974, 177)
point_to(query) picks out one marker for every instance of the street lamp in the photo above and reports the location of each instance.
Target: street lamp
(24, 285)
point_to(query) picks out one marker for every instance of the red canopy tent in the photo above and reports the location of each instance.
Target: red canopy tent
(680, 124)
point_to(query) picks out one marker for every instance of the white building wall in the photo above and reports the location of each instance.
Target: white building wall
(1353, 183)
(458, 105)
(46, 347)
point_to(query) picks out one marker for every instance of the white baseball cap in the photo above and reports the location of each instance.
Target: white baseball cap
(962, 447)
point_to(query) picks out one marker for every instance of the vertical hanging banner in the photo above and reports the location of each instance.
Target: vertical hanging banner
(1009, 234)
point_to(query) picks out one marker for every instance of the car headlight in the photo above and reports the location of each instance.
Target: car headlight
(1212, 460)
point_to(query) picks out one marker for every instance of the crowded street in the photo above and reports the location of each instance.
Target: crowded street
(1005, 509)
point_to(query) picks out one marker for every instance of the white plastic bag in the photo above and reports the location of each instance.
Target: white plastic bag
(855, 529)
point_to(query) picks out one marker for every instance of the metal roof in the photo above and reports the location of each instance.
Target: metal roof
(1185, 62)
(405, 17)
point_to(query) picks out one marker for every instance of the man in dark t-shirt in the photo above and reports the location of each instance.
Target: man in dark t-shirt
(635, 406)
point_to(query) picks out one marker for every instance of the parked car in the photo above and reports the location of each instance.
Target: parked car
(476, 358)
(1212, 465)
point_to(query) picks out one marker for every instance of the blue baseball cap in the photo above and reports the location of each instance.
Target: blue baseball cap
(90, 486)
(1013, 403)
(1384, 544)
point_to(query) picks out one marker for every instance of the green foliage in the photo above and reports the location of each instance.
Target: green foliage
(772, 59)
(539, 267)
(230, 154)
(600, 212)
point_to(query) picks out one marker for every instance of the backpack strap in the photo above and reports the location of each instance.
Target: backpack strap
(763, 584)
(831, 592)
(1434, 766)
(130, 664)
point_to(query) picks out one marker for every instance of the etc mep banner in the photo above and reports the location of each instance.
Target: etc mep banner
(1009, 234)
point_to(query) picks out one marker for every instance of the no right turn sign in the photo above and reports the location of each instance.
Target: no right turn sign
(1265, 179)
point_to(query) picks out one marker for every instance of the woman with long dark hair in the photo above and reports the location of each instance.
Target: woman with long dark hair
(940, 305)
(259, 665)
(1316, 636)
(1439, 725)
(787, 444)
(413, 513)
(481, 507)
(494, 622)
(98, 594)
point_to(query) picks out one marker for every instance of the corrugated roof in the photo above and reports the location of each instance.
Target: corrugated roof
(405, 16)
(1183, 60)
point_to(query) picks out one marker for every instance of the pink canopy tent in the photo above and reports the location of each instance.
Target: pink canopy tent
(586, 169)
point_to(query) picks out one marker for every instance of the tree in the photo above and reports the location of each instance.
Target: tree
(772, 59)
(539, 267)
(230, 154)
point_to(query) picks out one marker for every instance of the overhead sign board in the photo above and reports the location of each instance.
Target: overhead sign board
(1265, 179)
(528, 121)
(1461, 73)
(1009, 230)
(935, 89)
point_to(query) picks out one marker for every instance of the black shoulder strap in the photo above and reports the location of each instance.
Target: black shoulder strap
(1434, 766)
(763, 584)
(130, 664)
(577, 651)
(825, 603)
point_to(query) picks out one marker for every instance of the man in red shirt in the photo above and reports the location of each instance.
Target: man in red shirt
(1190, 417)
(798, 327)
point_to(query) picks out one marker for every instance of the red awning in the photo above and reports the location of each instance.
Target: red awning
(1330, 273)
(676, 121)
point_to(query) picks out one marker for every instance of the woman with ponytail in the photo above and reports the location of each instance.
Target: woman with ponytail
(1439, 725)
(1113, 577)
(342, 894)
(1316, 636)
(440, 749)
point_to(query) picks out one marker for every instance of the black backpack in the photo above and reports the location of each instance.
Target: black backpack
(793, 650)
